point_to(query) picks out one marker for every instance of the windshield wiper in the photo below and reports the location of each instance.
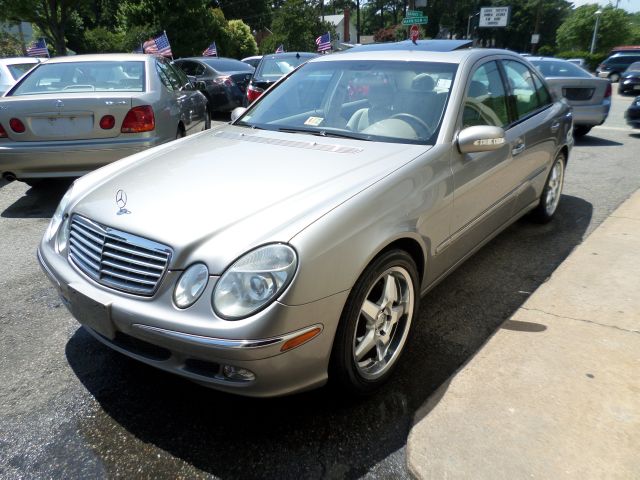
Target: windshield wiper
(248, 125)
(325, 133)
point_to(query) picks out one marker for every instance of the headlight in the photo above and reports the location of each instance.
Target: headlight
(58, 215)
(63, 236)
(191, 285)
(254, 281)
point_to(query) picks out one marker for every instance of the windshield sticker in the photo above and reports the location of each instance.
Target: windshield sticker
(313, 121)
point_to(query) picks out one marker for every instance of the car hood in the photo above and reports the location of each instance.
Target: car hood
(217, 194)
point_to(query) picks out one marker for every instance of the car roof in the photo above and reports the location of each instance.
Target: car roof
(14, 60)
(421, 45)
(102, 57)
(290, 54)
(547, 59)
(392, 54)
(203, 58)
(253, 57)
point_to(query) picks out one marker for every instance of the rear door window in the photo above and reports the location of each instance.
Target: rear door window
(523, 96)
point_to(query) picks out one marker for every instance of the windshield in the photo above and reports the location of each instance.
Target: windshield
(388, 101)
(227, 65)
(53, 78)
(19, 69)
(272, 68)
(555, 68)
(634, 67)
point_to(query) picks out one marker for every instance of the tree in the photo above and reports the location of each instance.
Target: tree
(616, 28)
(241, 41)
(255, 13)
(9, 45)
(296, 25)
(52, 17)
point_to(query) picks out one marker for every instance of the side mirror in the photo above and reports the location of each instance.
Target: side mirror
(237, 113)
(481, 138)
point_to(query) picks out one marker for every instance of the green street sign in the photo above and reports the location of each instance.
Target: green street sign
(415, 21)
(414, 13)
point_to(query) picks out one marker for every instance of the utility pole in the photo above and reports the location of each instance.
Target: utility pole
(357, 21)
(536, 29)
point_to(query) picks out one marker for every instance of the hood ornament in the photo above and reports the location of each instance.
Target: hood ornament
(121, 202)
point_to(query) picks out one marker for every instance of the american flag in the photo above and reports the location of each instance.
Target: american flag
(324, 42)
(38, 48)
(280, 49)
(211, 50)
(159, 45)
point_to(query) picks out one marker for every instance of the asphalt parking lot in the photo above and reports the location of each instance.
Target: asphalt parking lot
(70, 407)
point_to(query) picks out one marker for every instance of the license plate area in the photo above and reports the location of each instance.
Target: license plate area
(90, 312)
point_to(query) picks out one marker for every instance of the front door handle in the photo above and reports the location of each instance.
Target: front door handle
(555, 126)
(518, 149)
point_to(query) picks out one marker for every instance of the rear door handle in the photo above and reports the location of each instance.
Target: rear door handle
(519, 148)
(555, 126)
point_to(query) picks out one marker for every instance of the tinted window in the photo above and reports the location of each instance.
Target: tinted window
(558, 68)
(544, 96)
(161, 67)
(227, 65)
(19, 69)
(485, 102)
(182, 77)
(635, 66)
(171, 75)
(51, 78)
(523, 90)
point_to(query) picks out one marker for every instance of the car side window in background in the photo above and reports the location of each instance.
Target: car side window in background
(171, 75)
(181, 76)
(523, 90)
(543, 94)
(162, 67)
(485, 102)
(187, 67)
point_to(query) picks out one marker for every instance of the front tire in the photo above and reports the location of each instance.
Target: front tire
(551, 192)
(614, 77)
(580, 131)
(375, 323)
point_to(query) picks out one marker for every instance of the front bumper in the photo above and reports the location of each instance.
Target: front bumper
(194, 344)
(591, 114)
(66, 158)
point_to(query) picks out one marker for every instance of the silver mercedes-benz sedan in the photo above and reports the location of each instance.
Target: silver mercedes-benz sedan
(71, 115)
(293, 245)
(588, 95)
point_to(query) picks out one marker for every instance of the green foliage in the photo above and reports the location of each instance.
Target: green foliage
(255, 13)
(296, 24)
(102, 40)
(241, 42)
(9, 45)
(615, 28)
(547, 51)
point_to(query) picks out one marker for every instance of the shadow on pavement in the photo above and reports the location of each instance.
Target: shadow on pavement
(40, 201)
(320, 433)
(592, 141)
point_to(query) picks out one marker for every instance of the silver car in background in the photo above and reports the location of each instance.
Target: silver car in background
(293, 246)
(71, 115)
(588, 95)
(11, 69)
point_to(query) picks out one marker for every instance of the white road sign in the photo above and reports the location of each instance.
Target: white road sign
(494, 16)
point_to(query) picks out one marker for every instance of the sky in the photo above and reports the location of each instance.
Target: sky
(629, 5)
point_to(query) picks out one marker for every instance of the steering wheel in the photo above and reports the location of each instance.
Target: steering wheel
(413, 121)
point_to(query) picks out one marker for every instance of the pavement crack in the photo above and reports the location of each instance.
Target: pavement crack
(637, 332)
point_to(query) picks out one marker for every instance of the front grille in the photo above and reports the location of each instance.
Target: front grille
(117, 259)
(578, 93)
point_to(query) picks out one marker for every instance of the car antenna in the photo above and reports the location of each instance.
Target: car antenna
(297, 54)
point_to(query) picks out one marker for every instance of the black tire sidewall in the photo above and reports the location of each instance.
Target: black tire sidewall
(342, 369)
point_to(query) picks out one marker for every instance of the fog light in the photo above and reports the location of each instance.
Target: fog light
(237, 373)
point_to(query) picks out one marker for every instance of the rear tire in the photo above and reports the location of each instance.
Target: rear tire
(180, 133)
(614, 77)
(580, 131)
(375, 324)
(551, 192)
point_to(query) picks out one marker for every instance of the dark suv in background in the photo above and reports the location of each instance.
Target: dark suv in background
(223, 80)
(617, 63)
